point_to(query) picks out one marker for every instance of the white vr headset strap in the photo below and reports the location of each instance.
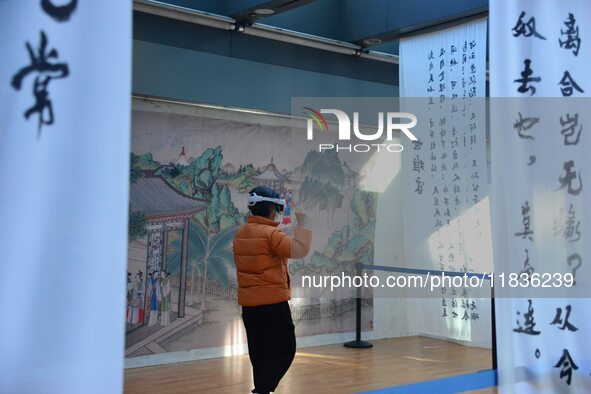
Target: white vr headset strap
(252, 200)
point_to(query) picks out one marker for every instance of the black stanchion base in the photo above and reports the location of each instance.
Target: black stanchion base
(358, 344)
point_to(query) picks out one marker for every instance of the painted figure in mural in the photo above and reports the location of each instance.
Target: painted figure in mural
(153, 294)
(261, 251)
(139, 296)
(165, 304)
(133, 312)
(287, 211)
(129, 296)
(136, 311)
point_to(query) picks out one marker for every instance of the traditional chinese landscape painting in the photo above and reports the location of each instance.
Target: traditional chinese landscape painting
(190, 176)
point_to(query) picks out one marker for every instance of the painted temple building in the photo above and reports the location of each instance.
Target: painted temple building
(270, 176)
(350, 175)
(165, 209)
(229, 169)
(182, 159)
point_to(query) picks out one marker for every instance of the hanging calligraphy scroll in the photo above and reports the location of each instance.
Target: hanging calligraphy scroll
(65, 79)
(538, 55)
(446, 218)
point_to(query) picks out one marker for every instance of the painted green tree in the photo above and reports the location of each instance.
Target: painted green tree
(320, 196)
(323, 166)
(145, 161)
(202, 174)
(243, 180)
(136, 227)
(351, 244)
(323, 179)
(212, 229)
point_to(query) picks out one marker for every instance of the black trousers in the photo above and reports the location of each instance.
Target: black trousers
(271, 343)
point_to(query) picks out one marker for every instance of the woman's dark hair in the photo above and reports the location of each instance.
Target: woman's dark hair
(263, 208)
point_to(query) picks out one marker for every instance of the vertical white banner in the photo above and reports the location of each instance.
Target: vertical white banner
(65, 81)
(539, 55)
(449, 62)
(446, 223)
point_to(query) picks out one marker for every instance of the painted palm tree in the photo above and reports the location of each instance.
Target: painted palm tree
(214, 250)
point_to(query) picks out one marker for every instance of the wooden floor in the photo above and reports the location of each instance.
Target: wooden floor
(323, 369)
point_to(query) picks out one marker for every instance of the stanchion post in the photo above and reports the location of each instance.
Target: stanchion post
(358, 343)
(493, 328)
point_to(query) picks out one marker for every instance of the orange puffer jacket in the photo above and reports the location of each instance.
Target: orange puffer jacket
(261, 251)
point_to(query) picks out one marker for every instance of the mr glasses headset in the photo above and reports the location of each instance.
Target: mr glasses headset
(279, 202)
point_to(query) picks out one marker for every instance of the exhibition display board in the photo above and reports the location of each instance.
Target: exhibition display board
(191, 170)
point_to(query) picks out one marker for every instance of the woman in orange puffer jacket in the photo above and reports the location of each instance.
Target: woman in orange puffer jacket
(261, 251)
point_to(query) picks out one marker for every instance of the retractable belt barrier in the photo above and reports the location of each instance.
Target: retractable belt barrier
(359, 344)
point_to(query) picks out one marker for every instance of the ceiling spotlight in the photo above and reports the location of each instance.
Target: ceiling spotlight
(264, 11)
(372, 41)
